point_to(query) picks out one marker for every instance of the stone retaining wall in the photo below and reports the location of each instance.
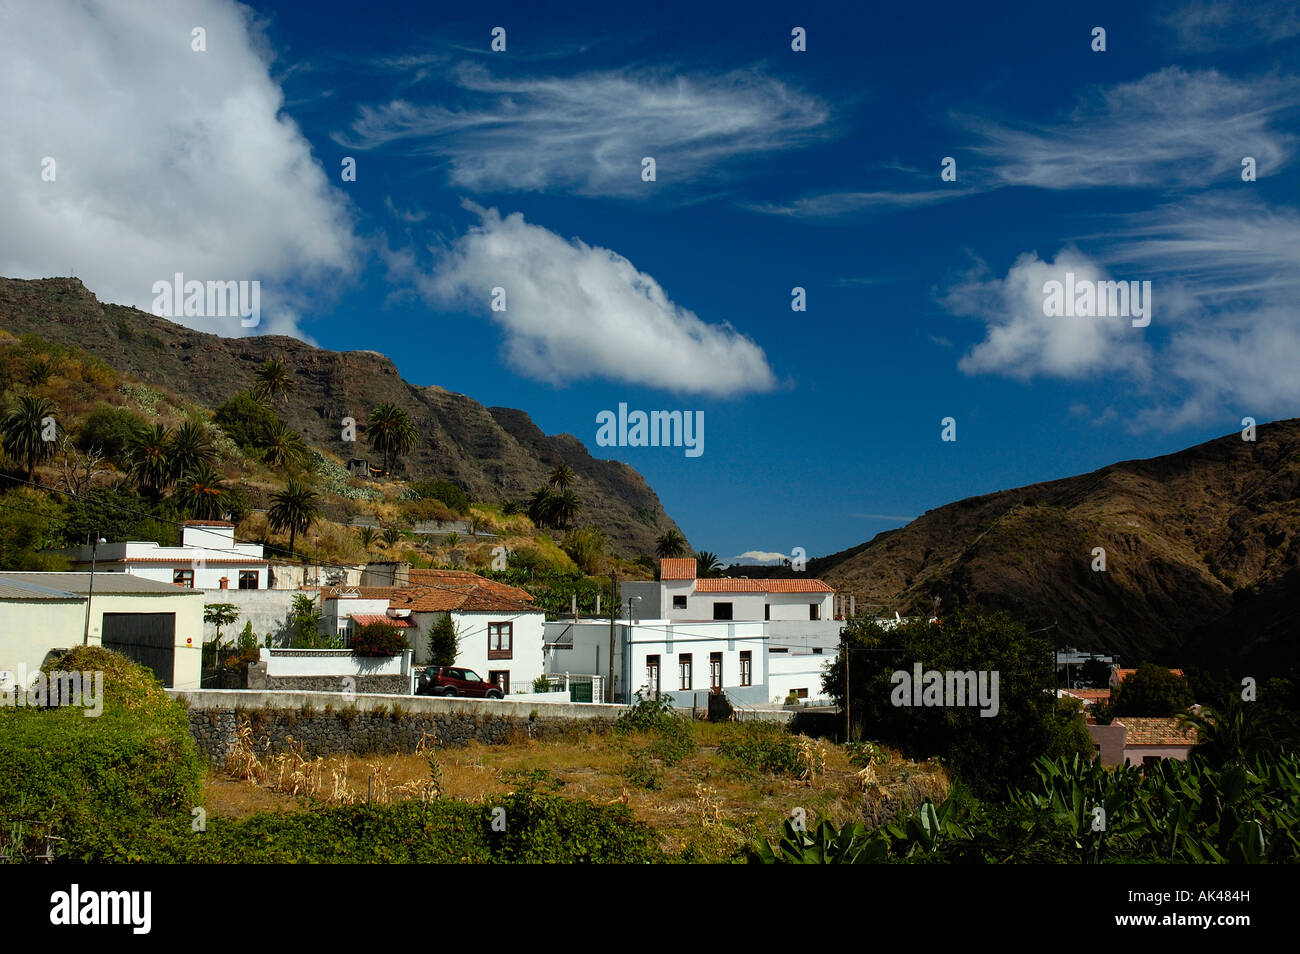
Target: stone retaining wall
(376, 723)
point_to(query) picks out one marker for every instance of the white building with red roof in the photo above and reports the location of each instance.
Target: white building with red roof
(500, 630)
(758, 640)
(207, 559)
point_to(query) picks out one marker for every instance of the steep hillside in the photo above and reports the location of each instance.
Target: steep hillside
(496, 454)
(1202, 554)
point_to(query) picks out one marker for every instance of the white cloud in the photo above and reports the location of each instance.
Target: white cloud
(1172, 127)
(1225, 272)
(168, 160)
(1021, 341)
(576, 311)
(589, 133)
(758, 558)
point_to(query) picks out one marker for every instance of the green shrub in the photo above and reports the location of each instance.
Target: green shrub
(539, 829)
(764, 747)
(134, 763)
(451, 495)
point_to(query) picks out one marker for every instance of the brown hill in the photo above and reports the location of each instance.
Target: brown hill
(1202, 554)
(496, 454)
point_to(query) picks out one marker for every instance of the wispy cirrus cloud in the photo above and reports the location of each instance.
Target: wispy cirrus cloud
(1172, 128)
(588, 133)
(1206, 25)
(828, 206)
(575, 311)
(1169, 129)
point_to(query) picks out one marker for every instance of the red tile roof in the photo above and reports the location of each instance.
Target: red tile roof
(1125, 673)
(1153, 730)
(727, 585)
(441, 591)
(365, 619)
(677, 568)
(207, 523)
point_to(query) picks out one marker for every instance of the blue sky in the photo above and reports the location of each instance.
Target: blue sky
(774, 169)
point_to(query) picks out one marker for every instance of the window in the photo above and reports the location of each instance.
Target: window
(183, 578)
(501, 638)
(248, 579)
(469, 675)
(715, 672)
(722, 611)
(679, 602)
(800, 693)
(746, 668)
(767, 611)
(684, 671)
(652, 674)
(814, 611)
(501, 679)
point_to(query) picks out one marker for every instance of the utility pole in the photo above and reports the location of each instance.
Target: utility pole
(613, 606)
(94, 547)
(844, 650)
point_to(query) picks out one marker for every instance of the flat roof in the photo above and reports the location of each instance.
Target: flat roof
(30, 584)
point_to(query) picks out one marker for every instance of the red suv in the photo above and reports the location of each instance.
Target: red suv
(454, 681)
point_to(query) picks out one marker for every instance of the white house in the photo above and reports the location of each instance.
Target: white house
(684, 660)
(207, 559)
(803, 629)
(500, 631)
(156, 624)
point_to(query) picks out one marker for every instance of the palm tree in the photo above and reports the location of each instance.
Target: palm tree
(150, 457)
(1234, 732)
(200, 492)
(511, 507)
(567, 507)
(707, 563)
(562, 477)
(391, 536)
(284, 447)
(293, 509)
(670, 544)
(190, 450)
(391, 432)
(542, 507)
(274, 380)
(24, 432)
(367, 535)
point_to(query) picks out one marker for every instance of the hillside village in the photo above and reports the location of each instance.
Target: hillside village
(260, 574)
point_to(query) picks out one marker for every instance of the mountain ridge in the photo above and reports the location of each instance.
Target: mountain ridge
(461, 440)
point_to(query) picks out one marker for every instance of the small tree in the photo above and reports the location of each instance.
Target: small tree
(1151, 691)
(304, 623)
(444, 642)
(219, 615)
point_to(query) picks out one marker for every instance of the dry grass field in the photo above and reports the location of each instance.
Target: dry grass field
(705, 803)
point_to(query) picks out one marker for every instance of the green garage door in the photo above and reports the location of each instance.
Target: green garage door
(147, 638)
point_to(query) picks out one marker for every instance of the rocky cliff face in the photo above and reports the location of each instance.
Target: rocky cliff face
(1202, 555)
(495, 454)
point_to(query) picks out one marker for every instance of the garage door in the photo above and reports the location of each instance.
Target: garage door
(147, 638)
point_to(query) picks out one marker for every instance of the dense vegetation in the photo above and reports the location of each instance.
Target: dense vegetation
(1076, 811)
(986, 753)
